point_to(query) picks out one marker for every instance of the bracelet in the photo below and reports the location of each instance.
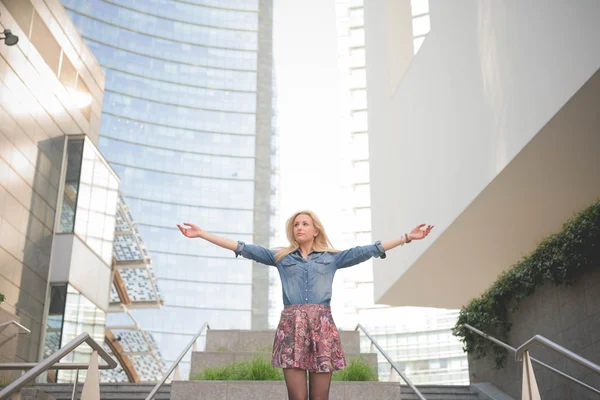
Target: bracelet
(406, 238)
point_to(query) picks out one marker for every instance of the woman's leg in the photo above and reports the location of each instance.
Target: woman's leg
(295, 381)
(319, 385)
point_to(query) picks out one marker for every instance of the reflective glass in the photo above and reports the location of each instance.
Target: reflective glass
(181, 267)
(96, 204)
(176, 30)
(187, 190)
(421, 25)
(67, 215)
(178, 162)
(163, 48)
(178, 126)
(185, 118)
(171, 71)
(213, 219)
(183, 95)
(358, 78)
(166, 137)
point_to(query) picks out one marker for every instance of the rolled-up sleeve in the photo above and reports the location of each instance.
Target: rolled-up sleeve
(356, 255)
(256, 253)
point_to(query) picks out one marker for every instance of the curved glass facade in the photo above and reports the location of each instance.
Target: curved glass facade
(181, 116)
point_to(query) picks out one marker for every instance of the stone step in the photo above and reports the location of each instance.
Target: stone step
(251, 390)
(262, 341)
(203, 359)
(275, 390)
(108, 391)
(35, 394)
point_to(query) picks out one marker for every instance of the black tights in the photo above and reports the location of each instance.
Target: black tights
(295, 380)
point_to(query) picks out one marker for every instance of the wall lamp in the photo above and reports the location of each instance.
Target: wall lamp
(9, 38)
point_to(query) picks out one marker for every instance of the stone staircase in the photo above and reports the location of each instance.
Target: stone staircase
(226, 346)
(108, 391)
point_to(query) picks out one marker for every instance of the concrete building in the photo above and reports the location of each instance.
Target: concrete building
(472, 134)
(418, 339)
(58, 195)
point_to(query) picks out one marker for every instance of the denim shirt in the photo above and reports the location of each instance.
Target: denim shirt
(309, 280)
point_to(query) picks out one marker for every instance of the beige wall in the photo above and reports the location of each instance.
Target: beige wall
(487, 79)
(36, 111)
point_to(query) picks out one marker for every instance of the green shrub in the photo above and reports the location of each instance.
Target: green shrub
(257, 369)
(561, 258)
(356, 370)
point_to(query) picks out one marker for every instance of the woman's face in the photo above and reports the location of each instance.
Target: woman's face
(304, 229)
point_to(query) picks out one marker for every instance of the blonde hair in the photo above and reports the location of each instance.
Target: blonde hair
(321, 242)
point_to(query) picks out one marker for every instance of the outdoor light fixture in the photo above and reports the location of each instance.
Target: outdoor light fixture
(9, 38)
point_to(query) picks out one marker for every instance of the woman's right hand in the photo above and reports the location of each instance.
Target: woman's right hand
(193, 231)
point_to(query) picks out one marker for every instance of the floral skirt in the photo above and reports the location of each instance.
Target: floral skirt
(307, 338)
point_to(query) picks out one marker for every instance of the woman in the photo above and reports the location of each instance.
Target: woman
(307, 338)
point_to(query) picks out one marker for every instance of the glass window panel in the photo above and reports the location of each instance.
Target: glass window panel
(417, 43)
(358, 78)
(213, 219)
(179, 117)
(362, 196)
(192, 191)
(357, 37)
(178, 162)
(183, 29)
(357, 17)
(71, 190)
(357, 57)
(155, 46)
(184, 95)
(363, 219)
(173, 138)
(171, 71)
(419, 6)
(359, 121)
(361, 172)
(359, 99)
(421, 25)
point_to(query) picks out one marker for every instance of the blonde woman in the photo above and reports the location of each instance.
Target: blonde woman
(307, 339)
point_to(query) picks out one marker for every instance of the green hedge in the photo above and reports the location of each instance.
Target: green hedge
(561, 258)
(260, 369)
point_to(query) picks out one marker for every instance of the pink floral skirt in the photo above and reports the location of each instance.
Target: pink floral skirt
(307, 338)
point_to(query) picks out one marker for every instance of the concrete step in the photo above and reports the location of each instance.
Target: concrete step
(251, 390)
(203, 359)
(275, 390)
(35, 394)
(262, 341)
(108, 391)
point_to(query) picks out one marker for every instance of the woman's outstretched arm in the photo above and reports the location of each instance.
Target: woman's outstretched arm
(356, 255)
(250, 251)
(194, 231)
(416, 234)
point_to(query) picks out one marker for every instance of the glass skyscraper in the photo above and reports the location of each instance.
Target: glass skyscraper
(187, 125)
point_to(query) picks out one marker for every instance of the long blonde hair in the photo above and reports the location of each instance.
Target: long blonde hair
(321, 242)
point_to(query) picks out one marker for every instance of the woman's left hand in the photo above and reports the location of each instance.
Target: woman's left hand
(418, 233)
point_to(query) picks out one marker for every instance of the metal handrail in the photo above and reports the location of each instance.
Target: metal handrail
(24, 330)
(177, 361)
(528, 344)
(559, 349)
(52, 361)
(392, 363)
